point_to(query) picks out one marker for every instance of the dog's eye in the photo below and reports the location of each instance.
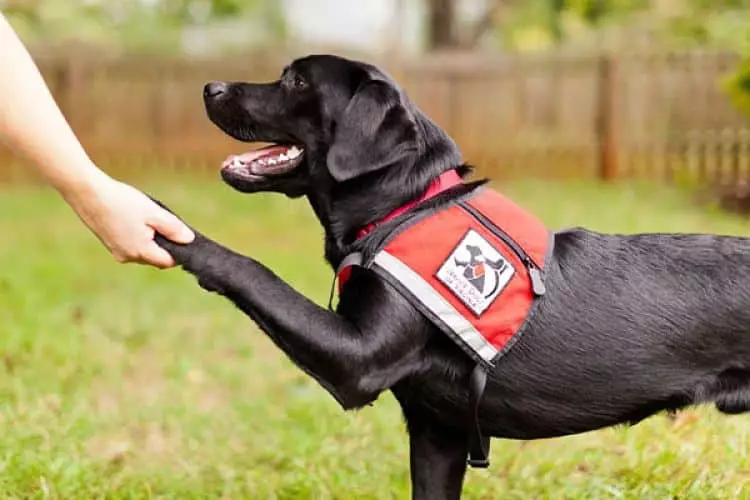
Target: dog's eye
(298, 82)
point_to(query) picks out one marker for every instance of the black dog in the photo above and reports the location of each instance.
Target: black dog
(630, 325)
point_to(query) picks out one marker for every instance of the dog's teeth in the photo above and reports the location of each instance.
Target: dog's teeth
(294, 152)
(283, 157)
(272, 161)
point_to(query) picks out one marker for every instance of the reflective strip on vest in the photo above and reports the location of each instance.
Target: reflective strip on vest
(437, 305)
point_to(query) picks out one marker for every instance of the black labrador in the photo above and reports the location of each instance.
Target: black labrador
(631, 325)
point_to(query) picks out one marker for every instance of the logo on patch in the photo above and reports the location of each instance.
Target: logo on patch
(476, 272)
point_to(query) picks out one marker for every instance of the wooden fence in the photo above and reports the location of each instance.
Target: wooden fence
(656, 116)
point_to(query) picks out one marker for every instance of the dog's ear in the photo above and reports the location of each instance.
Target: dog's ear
(375, 131)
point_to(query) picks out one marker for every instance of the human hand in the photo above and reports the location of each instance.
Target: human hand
(123, 218)
(125, 221)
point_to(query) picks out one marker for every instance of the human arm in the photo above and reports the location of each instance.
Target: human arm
(32, 124)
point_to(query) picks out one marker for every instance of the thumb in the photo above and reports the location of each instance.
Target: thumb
(172, 228)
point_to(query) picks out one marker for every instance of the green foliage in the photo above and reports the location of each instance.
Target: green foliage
(737, 86)
(685, 24)
(721, 24)
(595, 12)
(156, 26)
(552, 22)
(724, 25)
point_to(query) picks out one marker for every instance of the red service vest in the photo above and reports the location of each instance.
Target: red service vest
(474, 268)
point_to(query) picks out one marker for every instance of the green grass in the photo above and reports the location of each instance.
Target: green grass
(128, 382)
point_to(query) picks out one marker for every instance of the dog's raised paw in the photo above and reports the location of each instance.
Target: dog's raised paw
(180, 252)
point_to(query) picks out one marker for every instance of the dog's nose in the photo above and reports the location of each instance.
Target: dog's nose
(215, 89)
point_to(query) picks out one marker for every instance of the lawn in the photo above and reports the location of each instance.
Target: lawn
(128, 382)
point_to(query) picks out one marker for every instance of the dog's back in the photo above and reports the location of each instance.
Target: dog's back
(630, 325)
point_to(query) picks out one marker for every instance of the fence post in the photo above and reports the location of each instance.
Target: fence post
(452, 102)
(65, 84)
(158, 109)
(606, 130)
(71, 85)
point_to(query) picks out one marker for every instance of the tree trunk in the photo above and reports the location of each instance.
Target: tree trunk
(441, 17)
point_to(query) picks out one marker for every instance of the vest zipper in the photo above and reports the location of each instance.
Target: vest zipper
(535, 274)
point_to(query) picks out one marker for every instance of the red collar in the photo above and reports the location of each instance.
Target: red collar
(446, 181)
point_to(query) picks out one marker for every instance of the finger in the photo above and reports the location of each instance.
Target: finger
(172, 228)
(156, 256)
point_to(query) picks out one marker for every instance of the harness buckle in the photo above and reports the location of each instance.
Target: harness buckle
(479, 463)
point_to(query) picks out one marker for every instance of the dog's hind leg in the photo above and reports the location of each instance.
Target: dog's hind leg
(437, 460)
(732, 391)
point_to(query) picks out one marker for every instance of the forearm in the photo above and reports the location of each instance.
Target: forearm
(32, 124)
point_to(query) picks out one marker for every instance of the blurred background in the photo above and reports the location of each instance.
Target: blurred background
(126, 382)
(584, 88)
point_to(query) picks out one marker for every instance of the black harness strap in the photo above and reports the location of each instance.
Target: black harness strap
(479, 445)
(353, 259)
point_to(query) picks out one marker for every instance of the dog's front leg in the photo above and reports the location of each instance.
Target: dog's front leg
(347, 357)
(438, 460)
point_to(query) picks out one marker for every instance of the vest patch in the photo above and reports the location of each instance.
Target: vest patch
(476, 272)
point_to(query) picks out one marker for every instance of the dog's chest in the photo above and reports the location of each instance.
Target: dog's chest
(474, 269)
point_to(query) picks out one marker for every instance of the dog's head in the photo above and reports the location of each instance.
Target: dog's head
(343, 134)
(330, 120)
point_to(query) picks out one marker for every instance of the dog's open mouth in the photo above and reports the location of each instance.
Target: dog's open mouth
(264, 162)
